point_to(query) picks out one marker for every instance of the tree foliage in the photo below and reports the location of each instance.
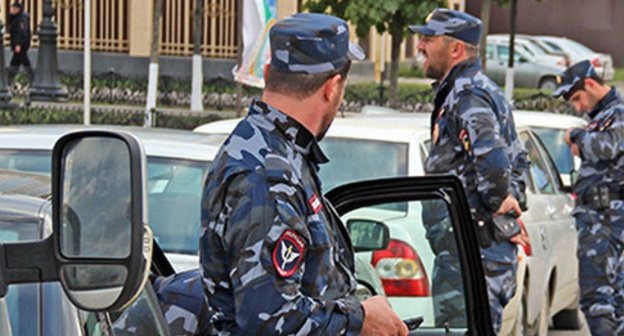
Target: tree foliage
(393, 16)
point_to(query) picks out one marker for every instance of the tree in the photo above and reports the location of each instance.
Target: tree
(393, 16)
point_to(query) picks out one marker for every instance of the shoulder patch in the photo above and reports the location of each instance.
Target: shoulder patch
(315, 203)
(607, 123)
(288, 253)
(464, 138)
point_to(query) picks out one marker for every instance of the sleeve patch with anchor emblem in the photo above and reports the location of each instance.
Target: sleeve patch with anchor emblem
(288, 253)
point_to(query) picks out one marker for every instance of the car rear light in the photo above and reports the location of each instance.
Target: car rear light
(567, 62)
(528, 250)
(596, 63)
(401, 270)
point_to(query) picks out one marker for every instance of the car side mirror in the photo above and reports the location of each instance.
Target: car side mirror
(100, 248)
(368, 235)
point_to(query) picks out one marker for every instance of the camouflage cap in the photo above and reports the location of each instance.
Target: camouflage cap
(572, 78)
(312, 43)
(444, 21)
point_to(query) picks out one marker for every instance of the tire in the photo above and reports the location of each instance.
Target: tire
(548, 83)
(568, 319)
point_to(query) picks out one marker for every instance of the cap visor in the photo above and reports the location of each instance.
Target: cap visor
(355, 52)
(562, 90)
(422, 30)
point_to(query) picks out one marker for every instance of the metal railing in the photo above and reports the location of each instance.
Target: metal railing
(219, 29)
(109, 27)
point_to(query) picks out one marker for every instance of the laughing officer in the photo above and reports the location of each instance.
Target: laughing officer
(599, 208)
(474, 138)
(276, 258)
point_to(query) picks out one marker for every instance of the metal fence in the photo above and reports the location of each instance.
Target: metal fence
(109, 27)
(219, 29)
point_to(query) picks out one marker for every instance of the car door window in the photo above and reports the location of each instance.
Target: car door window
(421, 269)
(542, 180)
(489, 51)
(503, 53)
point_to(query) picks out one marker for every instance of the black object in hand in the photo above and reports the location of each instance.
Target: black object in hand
(414, 323)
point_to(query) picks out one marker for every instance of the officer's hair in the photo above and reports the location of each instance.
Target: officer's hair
(301, 85)
(472, 51)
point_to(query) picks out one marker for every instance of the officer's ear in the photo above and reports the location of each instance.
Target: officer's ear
(332, 87)
(457, 49)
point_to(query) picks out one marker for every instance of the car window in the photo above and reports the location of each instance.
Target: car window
(541, 178)
(356, 160)
(419, 270)
(578, 47)
(553, 140)
(174, 196)
(503, 53)
(31, 161)
(553, 46)
(21, 300)
(489, 51)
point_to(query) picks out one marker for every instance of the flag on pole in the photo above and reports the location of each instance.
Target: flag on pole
(258, 18)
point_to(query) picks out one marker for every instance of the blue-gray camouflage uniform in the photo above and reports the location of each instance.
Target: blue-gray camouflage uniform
(600, 224)
(473, 137)
(276, 259)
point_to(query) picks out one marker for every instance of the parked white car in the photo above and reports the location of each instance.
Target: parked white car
(539, 55)
(577, 52)
(390, 146)
(177, 164)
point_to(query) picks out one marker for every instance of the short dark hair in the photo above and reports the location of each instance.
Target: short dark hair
(580, 85)
(301, 85)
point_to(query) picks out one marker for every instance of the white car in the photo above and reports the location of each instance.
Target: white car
(390, 146)
(577, 52)
(177, 165)
(539, 55)
(551, 129)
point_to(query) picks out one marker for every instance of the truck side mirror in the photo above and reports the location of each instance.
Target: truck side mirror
(100, 248)
(100, 218)
(368, 235)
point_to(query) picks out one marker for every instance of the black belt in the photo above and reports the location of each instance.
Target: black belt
(600, 197)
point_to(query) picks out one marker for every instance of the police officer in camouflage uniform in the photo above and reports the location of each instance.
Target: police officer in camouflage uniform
(276, 258)
(599, 210)
(473, 137)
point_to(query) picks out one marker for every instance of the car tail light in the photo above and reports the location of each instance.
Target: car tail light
(401, 270)
(596, 63)
(562, 63)
(567, 62)
(528, 250)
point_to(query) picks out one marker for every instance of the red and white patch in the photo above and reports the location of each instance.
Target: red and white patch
(316, 204)
(288, 253)
(464, 138)
(592, 126)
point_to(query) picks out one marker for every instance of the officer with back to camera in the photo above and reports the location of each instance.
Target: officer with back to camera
(599, 210)
(473, 136)
(275, 257)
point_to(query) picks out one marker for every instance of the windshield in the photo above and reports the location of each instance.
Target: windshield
(553, 140)
(21, 300)
(578, 47)
(355, 160)
(174, 194)
(31, 161)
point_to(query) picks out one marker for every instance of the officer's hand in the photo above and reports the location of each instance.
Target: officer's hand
(380, 319)
(574, 149)
(18, 49)
(521, 239)
(567, 136)
(509, 204)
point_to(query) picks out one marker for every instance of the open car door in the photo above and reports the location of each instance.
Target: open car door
(432, 265)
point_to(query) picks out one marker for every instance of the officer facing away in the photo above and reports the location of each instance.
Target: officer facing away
(276, 258)
(599, 210)
(19, 31)
(473, 136)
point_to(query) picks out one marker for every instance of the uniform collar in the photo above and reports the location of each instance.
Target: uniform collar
(611, 97)
(291, 130)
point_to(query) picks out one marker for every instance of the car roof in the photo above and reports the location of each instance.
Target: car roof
(354, 127)
(158, 142)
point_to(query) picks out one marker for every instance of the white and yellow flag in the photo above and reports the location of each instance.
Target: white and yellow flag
(258, 18)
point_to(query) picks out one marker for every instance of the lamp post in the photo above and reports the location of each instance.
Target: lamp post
(5, 96)
(47, 84)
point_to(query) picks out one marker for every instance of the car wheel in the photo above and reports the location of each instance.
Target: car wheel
(548, 83)
(540, 328)
(568, 319)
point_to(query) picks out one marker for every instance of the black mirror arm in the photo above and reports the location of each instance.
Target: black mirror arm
(27, 263)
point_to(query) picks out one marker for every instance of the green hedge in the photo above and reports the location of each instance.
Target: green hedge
(51, 116)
